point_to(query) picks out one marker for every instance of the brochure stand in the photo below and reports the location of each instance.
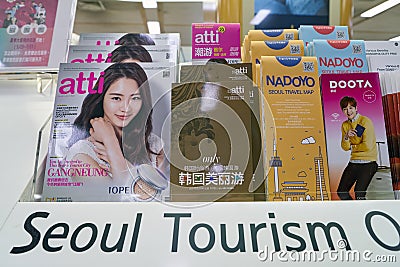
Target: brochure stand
(195, 234)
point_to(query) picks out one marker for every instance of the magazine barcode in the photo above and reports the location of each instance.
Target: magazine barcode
(166, 74)
(289, 36)
(308, 66)
(295, 49)
(340, 35)
(357, 49)
(167, 56)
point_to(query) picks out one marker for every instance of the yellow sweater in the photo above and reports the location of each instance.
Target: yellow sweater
(364, 147)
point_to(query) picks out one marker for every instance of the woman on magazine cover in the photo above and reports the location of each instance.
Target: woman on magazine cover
(358, 136)
(135, 39)
(113, 132)
(130, 53)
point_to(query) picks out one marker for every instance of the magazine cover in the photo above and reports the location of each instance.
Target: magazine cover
(211, 131)
(273, 48)
(339, 57)
(130, 39)
(216, 40)
(108, 54)
(35, 34)
(273, 35)
(214, 72)
(221, 73)
(110, 133)
(309, 33)
(295, 158)
(356, 138)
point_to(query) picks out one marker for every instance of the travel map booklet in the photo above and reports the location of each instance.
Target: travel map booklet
(267, 35)
(336, 56)
(108, 54)
(131, 117)
(293, 48)
(309, 33)
(211, 137)
(293, 130)
(273, 35)
(365, 89)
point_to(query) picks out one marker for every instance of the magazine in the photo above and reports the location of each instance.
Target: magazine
(108, 54)
(212, 159)
(294, 142)
(355, 135)
(221, 73)
(35, 34)
(214, 72)
(110, 133)
(130, 39)
(216, 40)
(339, 57)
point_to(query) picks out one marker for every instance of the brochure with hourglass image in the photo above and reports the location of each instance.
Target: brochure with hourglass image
(109, 136)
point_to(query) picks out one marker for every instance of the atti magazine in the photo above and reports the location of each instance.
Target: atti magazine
(106, 140)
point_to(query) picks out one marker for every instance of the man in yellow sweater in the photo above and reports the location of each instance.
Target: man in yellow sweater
(358, 136)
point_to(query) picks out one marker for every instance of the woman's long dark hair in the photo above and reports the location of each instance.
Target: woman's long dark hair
(131, 52)
(134, 141)
(135, 39)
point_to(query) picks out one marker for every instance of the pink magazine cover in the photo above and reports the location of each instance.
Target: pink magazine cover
(35, 34)
(355, 135)
(216, 40)
(109, 134)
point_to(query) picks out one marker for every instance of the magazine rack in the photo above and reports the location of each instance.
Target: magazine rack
(44, 80)
(196, 234)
